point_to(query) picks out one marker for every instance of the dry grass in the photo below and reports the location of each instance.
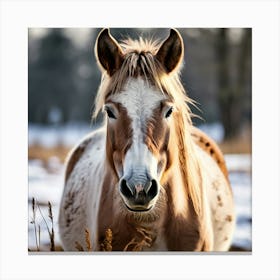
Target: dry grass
(88, 241)
(137, 243)
(37, 229)
(45, 153)
(106, 245)
(241, 144)
(78, 245)
(141, 240)
(236, 146)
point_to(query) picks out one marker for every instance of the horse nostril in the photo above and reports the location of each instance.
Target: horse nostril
(153, 190)
(125, 190)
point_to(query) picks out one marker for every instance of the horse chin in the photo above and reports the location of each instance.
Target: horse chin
(141, 214)
(148, 213)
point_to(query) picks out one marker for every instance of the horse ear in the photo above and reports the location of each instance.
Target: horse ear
(170, 52)
(108, 52)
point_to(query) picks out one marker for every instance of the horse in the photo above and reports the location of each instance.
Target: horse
(147, 176)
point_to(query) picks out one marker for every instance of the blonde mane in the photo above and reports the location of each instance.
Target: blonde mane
(140, 61)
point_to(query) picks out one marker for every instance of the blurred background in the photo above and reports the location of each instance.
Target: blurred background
(63, 78)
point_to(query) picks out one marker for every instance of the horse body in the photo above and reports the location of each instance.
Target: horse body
(147, 174)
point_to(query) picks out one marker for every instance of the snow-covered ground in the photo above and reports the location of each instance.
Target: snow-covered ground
(65, 135)
(239, 167)
(46, 184)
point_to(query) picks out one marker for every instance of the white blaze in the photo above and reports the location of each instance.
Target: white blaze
(140, 100)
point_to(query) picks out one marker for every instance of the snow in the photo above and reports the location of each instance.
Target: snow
(50, 136)
(241, 185)
(45, 187)
(236, 163)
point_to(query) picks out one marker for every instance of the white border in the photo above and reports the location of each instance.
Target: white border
(262, 16)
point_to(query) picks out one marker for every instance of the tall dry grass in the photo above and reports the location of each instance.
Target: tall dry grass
(37, 228)
(139, 242)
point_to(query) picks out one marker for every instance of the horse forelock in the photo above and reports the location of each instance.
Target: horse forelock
(140, 61)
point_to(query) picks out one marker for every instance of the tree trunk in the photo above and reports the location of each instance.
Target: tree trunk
(232, 93)
(224, 94)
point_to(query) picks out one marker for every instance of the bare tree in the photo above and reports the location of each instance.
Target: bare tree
(232, 96)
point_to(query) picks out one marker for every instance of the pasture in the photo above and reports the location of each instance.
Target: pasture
(48, 147)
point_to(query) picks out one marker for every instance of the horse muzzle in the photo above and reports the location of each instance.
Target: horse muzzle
(139, 196)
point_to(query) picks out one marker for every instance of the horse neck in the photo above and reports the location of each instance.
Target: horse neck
(188, 164)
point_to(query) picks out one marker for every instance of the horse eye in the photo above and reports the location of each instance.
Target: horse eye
(110, 114)
(168, 113)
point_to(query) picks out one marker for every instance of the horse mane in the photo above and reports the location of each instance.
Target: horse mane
(140, 61)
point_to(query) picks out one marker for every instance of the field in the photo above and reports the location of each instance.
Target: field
(47, 151)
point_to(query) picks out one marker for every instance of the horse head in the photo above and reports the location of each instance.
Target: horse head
(140, 114)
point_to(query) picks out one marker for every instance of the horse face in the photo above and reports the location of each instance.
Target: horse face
(137, 142)
(138, 118)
